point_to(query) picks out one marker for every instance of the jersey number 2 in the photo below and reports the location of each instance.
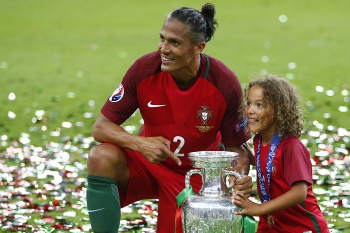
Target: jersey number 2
(182, 143)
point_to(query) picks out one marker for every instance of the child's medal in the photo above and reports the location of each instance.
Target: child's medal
(265, 196)
(270, 220)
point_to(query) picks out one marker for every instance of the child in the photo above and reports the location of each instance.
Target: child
(284, 171)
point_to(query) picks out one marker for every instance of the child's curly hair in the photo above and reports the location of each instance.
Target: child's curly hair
(284, 100)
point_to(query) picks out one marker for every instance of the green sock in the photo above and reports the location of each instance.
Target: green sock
(103, 204)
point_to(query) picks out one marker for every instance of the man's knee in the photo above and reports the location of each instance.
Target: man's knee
(107, 160)
(105, 157)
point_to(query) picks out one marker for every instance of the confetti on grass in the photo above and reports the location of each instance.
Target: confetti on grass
(43, 188)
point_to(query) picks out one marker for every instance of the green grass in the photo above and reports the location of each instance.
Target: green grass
(52, 49)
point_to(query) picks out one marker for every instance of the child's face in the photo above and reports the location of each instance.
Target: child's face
(260, 117)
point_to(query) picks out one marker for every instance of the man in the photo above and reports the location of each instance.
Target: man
(188, 101)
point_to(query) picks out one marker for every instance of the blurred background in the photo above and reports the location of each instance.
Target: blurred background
(60, 61)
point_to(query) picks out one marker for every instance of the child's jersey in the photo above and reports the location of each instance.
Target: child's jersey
(290, 164)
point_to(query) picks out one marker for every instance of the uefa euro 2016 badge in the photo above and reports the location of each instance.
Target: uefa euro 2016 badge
(204, 115)
(117, 94)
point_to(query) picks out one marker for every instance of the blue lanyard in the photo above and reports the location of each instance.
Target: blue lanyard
(273, 147)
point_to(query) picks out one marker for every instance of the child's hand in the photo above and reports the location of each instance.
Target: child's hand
(248, 207)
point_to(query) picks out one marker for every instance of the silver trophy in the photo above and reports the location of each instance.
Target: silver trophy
(212, 210)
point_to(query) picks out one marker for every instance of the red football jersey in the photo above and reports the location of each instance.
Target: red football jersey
(290, 164)
(194, 119)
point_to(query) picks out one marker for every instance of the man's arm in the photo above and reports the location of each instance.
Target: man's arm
(154, 149)
(246, 158)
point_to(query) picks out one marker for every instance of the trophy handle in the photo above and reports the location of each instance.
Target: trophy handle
(190, 173)
(225, 176)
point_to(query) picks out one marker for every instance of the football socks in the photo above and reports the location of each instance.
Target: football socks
(103, 204)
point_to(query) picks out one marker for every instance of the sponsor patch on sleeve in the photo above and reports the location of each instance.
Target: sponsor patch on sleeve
(117, 94)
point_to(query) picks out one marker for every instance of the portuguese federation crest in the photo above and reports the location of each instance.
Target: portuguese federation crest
(204, 115)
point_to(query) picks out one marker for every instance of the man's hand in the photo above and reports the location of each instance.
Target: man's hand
(156, 149)
(243, 184)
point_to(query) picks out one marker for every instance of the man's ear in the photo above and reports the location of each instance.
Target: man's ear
(200, 47)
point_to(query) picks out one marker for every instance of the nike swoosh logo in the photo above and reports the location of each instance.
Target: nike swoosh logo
(154, 105)
(90, 211)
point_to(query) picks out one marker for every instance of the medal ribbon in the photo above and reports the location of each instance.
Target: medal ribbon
(265, 194)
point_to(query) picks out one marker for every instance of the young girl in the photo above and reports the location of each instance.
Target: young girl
(284, 171)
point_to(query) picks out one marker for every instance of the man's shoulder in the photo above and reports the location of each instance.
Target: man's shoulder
(152, 57)
(224, 79)
(219, 71)
(145, 65)
(218, 64)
